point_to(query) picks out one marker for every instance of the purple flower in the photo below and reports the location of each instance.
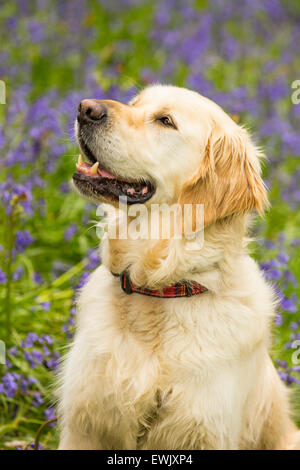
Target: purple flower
(46, 351)
(282, 364)
(10, 384)
(32, 445)
(283, 258)
(37, 399)
(45, 306)
(273, 274)
(290, 278)
(36, 30)
(70, 232)
(31, 380)
(13, 351)
(2, 277)
(283, 375)
(46, 339)
(83, 280)
(288, 305)
(269, 244)
(29, 358)
(50, 414)
(64, 188)
(94, 259)
(23, 239)
(52, 363)
(37, 278)
(37, 356)
(29, 341)
(18, 273)
(23, 385)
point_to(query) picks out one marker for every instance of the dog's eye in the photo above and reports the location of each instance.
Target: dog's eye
(166, 121)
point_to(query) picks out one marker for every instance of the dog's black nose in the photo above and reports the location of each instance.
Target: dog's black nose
(91, 110)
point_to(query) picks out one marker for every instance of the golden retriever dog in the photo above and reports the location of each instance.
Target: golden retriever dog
(191, 371)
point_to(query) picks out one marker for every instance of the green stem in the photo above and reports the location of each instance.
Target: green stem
(40, 430)
(14, 424)
(8, 309)
(57, 283)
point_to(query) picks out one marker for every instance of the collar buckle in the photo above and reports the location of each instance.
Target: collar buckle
(188, 289)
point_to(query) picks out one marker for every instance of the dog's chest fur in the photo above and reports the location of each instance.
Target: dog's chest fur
(152, 357)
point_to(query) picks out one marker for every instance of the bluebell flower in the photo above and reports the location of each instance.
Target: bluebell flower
(10, 384)
(37, 356)
(83, 280)
(288, 305)
(13, 351)
(2, 277)
(50, 414)
(283, 258)
(37, 277)
(37, 399)
(18, 273)
(23, 240)
(29, 358)
(70, 232)
(46, 339)
(45, 306)
(94, 259)
(30, 339)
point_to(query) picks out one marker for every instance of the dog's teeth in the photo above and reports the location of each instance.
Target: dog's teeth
(94, 168)
(80, 160)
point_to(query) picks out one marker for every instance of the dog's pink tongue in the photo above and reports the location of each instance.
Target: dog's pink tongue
(105, 174)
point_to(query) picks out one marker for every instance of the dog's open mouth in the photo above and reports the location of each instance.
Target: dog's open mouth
(94, 181)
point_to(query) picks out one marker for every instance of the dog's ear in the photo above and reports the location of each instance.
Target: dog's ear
(229, 179)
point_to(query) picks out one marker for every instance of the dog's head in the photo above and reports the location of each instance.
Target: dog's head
(168, 145)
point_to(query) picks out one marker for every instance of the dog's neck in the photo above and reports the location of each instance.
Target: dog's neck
(158, 263)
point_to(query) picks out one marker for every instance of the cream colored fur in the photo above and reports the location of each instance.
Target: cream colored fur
(184, 373)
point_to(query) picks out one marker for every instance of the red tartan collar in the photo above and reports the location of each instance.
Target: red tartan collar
(180, 289)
